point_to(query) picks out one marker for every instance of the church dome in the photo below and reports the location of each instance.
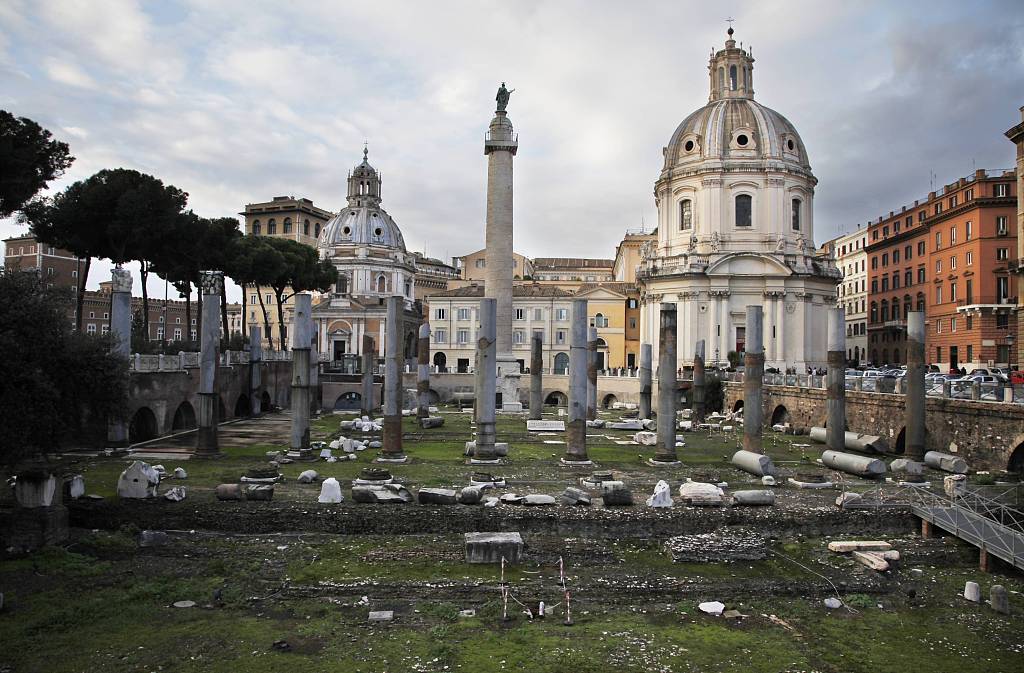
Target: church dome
(362, 222)
(733, 127)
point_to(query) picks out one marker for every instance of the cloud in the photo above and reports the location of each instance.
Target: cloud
(68, 73)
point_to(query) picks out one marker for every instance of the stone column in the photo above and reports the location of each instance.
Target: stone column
(121, 341)
(835, 430)
(667, 388)
(315, 401)
(500, 146)
(699, 397)
(592, 374)
(753, 375)
(536, 378)
(423, 372)
(576, 428)
(914, 403)
(645, 380)
(210, 283)
(255, 369)
(391, 440)
(368, 400)
(301, 344)
(486, 391)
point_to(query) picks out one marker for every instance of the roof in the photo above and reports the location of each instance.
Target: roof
(525, 290)
(572, 262)
(620, 287)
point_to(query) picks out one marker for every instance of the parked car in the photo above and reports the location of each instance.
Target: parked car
(1016, 378)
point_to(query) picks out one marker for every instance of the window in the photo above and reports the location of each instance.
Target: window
(885, 259)
(968, 195)
(561, 314)
(538, 314)
(256, 227)
(74, 273)
(463, 336)
(105, 329)
(1002, 189)
(952, 324)
(938, 208)
(254, 300)
(287, 225)
(874, 285)
(921, 215)
(463, 314)
(1002, 321)
(271, 226)
(1002, 253)
(743, 208)
(481, 263)
(969, 258)
(970, 325)
(885, 283)
(952, 291)
(938, 325)
(952, 201)
(796, 214)
(160, 333)
(874, 262)
(177, 334)
(632, 303)
(896, 227)
(1002, 289)
(920, 248)
(686, 214)
(92, 314)
(270, 298)
(938, 294)
(440, 314)
(885, 231)
(305, 227)
(177, 321)
(316, 230)
(874, 312)
(518, 336)
(938, 353)
(938, 240)
(560, 336)
(968, 230)
(600, 320)
(896, 256)
(908, 278)
(895, 280)
(952, 235)
(970, 351)
(952, 263)
(970, 293)
(440, 336)
(1001, 229)
(106, 316)
(732, 78)
(91, 328)
(938, 266)
(520, 314)
(193, 332)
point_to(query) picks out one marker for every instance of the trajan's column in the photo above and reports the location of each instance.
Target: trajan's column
(500, 146)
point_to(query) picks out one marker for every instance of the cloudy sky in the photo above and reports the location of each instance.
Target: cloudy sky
(237, 101)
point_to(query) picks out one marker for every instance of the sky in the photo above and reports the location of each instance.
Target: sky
(238, 101)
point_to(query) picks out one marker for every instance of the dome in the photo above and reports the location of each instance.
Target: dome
(363, 222)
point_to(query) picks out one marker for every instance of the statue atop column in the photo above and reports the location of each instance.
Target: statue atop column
(502, 97)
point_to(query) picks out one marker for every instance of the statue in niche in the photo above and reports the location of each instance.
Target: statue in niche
(502, 97)
(693, 243)
(780, 245)
(716, 241)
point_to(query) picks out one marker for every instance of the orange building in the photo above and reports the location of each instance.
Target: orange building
(949, 256)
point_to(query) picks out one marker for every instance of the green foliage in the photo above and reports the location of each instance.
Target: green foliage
(714, 393)
(860, 601)
(734, 359)
(61, 383)
(301, 269)
(30, 159)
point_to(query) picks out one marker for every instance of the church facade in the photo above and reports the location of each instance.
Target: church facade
(735, 202)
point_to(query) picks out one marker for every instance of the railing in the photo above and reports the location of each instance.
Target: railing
(139, 362)
(991, 300)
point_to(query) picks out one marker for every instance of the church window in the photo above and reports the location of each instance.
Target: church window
(256, 228)
(378, 232)
(347, 231)
(796, 214)
(742, 140)
(689, 146)
(721, 78)
(732, 78)
(287, 225)
(305, 227)
(316, 229)
(686, 214)
(743, 208)
(382, 284)
(790, 145)
(271, 226)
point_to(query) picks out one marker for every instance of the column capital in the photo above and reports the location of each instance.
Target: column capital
(120, 279)
(211, 282)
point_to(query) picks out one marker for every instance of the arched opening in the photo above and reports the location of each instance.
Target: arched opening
(686, 212)
(1016, 463)
(780, 416)
(242, 406)
(222, 413)
(143, 426)
(265, 401)
(382, 284)
(561, 363)
(737, 406)
(901, 442)
(732, 78)
(410, 345)
(608, 401)
(184, 418)
(441, 362)
(556, 399)
(348, 401)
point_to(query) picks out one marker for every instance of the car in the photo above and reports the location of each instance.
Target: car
(982, 371)
(1016, 378)
(935, 369)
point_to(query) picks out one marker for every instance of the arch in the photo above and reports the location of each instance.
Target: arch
(780, 416)
(348, 401)
(256, 228)
(608, 401)
(556, 398)
(271, 226)
(184, 417)
(242, 406)
(411, 345)
(561, 363)
(441, 361)
(305, 227)
(286, 225)
(1016, 462)
(900, 447)
(737, 406)
(732, 78)
(143, 426)
(265, 401)
(382, 283)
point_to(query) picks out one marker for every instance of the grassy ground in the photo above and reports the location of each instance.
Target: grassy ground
(102, 603)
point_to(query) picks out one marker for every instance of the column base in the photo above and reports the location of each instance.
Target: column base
(394, 460)
(660, 463)
(576, 463)
(485, 461)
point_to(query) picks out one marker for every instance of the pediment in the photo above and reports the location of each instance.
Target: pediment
(748, 264)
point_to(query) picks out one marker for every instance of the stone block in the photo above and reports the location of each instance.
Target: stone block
(386, 494)
(575, 496)
(470, 495)
(34, 489)
(431, 422)
(377, 616)
(330, 491)
(307, 476)
(260, 492)
(645, 438)
(138, 481)
(153, 538)
(972, 592)
(539, 500)
(907, 466)
(545, 426)
(871, 559)
(492, 547)
(229, 492)
(616, 494)
(74, 488)
(847, 546)
(999, 599)
(437, 496)
(700, 494)
(753, 498)
(945, 462)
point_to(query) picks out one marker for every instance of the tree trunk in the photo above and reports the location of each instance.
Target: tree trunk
(188, 312)
(245, 308)
(280, 318)
(144, 273)
(80, 299)
(266, 321)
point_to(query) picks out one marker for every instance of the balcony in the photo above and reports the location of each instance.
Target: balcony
(995, 304)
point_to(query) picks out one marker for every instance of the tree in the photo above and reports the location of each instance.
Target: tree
(221, 232)
(252, 261)
(302, 270)
(63, 384)
(29, 160)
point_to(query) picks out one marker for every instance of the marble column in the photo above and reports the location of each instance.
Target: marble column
(753, 379)
(368, 400)
(210, 283)
(391, 439)
(780, 330)
(423, 372)
(536, 378)
(645, 381)
(255, 369)
(486, 391)
(914, 421)
(315, 400)
(667, 388)
(576, 428)
(699, 390)
(592, 374)
(301, 346)
(835, 430)
(120, 341)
